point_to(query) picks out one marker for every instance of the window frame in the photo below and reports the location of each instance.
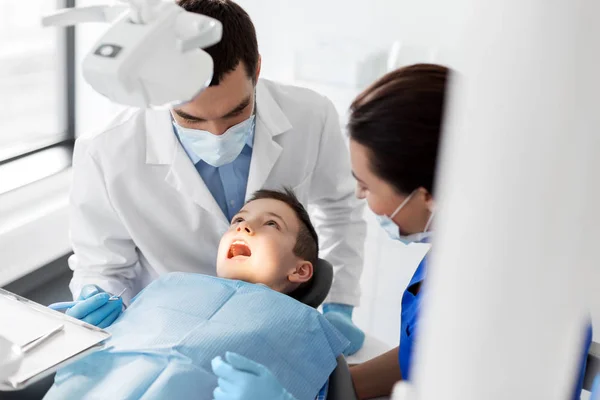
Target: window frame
(63, 142)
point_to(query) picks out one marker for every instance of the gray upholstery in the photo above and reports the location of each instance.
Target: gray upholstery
(592, 369)
(313, 294)
(340, 383)
(317, 289)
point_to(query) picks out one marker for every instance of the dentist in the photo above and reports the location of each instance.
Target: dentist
(155, 190)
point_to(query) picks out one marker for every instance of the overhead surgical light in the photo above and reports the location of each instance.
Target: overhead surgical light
(151, 56)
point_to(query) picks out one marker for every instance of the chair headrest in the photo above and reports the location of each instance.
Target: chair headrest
(317, 289)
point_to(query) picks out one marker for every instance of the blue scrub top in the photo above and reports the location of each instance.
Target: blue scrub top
(411, 300)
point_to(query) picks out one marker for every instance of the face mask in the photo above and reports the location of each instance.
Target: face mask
(217, 150)
(393, 230)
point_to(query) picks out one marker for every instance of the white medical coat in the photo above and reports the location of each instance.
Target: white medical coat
(140, 209)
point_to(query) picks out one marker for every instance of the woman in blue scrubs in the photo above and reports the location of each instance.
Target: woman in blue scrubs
(394, 129)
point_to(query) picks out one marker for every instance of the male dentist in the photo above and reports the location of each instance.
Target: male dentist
(155, 190)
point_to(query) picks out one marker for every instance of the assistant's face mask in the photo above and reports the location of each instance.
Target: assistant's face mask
(393, 230)
(217, 150)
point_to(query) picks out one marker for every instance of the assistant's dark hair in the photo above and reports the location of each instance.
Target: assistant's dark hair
(399, 120)
(307, 241)
(238, 43)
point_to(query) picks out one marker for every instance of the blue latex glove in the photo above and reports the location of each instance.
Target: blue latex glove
(340, 316)
(95, 308)
(244, 379)
(596, 389)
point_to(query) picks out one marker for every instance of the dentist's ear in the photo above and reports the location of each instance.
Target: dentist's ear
(302, 273)
(258, 66)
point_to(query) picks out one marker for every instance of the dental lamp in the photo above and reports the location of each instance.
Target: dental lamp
(151, 56)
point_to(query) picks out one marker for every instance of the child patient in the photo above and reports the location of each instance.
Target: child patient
(163, 344)
(271, 241)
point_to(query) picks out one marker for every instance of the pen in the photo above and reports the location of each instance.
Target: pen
(32, 345)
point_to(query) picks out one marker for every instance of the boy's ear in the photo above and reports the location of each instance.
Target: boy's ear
(302, 273)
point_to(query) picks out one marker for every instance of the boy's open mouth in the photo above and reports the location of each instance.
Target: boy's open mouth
(239, 248)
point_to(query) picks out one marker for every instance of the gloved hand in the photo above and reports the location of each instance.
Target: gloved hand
(340, 316)
(595, 389)
(244, 379)
(95, 308)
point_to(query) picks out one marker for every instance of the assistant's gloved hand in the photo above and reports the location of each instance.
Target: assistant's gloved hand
(95, 308)
(244, 379)
(595, 389)
(340, 316)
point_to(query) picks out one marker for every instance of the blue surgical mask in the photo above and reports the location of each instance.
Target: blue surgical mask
(217, 150)
(389, 227)
(393, 230)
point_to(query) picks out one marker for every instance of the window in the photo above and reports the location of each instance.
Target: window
(36, 86)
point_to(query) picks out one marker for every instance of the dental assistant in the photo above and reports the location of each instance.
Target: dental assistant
(394, 130)
(155, 190)
(395, 127)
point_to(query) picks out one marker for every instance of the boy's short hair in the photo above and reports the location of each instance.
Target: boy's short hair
(238, 44)
(307, 241)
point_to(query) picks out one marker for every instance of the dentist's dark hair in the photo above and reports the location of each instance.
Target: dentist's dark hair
(399, 120)
(238, 44)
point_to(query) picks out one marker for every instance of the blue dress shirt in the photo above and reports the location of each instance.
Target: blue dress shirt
(228, 182)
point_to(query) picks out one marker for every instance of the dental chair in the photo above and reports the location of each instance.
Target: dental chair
(313, 294)
(592, 369)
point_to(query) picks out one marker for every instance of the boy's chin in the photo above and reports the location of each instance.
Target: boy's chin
(235, 271)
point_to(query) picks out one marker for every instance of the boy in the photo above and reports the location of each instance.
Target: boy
(270, 241)
(163, 345)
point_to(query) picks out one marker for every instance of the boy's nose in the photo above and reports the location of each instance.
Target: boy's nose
(245, 227)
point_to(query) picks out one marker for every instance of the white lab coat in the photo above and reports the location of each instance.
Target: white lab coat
(140, 209)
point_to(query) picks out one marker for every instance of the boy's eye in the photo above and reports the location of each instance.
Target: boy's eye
(272, 223)
(237, 220)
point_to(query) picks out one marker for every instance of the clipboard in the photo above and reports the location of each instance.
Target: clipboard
(23, 321)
